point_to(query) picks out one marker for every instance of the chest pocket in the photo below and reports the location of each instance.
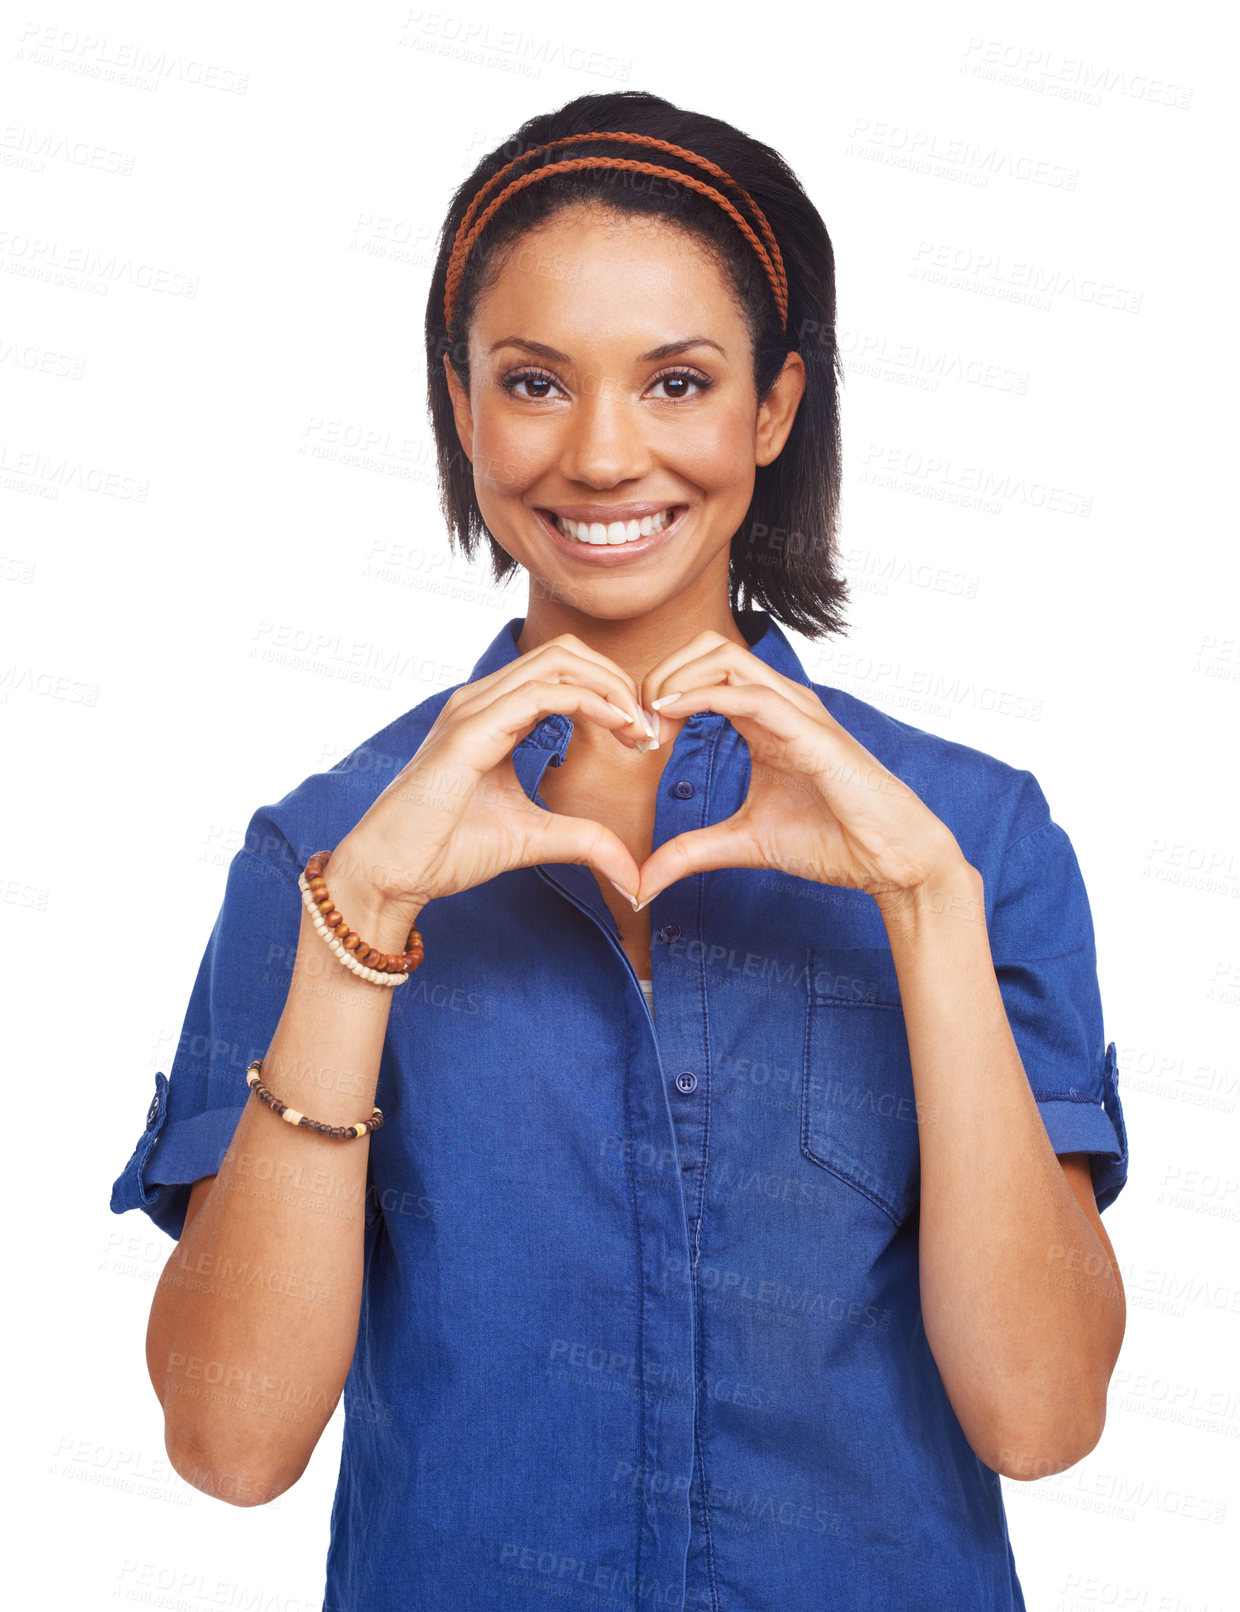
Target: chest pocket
(859, 1115)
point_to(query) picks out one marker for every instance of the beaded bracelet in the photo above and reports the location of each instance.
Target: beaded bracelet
(294, 1116)
(367, 962)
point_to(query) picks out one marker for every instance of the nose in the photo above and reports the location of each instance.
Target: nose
(604, 442)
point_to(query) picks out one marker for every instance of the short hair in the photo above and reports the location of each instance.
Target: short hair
(785, 552)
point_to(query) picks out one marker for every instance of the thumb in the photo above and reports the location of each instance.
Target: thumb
(720, 845)
(581, 839)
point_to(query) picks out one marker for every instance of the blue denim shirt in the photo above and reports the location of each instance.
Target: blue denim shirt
(640, 1324)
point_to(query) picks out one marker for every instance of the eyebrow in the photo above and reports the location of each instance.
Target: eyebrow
(667, 350)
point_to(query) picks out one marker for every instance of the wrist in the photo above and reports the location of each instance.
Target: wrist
(954, 889)
(354, 882)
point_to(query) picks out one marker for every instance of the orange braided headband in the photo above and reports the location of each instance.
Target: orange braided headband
(471, 227)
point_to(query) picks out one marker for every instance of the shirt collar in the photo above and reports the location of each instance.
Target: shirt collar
(767, 642)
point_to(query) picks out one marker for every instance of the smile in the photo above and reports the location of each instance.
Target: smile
(614, 533)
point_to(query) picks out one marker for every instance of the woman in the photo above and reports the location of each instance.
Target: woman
(739, 1297)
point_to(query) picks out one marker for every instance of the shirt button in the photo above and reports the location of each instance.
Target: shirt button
(152, 1113)
(669, 932)
(682, 789)
(686, 1081)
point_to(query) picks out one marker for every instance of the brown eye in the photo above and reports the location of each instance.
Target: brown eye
(528, 377)
(678, 382)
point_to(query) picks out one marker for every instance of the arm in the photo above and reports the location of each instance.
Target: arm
(1021, 1296)
(1022, 1304)
(254, 1321)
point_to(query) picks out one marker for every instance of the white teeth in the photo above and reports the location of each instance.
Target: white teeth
(596, 532)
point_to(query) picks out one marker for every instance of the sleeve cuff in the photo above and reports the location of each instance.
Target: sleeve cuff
(169, 1158)
(1082, 1125)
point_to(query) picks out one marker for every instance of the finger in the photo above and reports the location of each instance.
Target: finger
(696, 648)
(710, 658)
(812, 746)
(721, 845)
(553, 837)
(764, 716)
(564, 659)
(468, 742)
(512, 715)
(490, 726)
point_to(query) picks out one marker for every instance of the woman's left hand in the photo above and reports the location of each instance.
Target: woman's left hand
(819, 805)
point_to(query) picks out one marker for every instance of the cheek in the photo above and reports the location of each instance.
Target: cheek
(508, 454)
(717, 452)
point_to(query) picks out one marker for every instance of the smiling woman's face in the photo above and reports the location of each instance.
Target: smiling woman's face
(611, 420)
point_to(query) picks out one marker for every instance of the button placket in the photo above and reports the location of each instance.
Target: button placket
(683, 805)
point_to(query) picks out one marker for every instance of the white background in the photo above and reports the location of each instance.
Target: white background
(1035, 287)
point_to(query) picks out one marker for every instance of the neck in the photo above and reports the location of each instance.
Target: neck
(636, 644)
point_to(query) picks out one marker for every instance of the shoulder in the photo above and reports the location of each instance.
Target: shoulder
(989, 803)
(318, 812)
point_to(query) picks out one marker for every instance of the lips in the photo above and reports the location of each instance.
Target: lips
(615, 533)
(604, 556)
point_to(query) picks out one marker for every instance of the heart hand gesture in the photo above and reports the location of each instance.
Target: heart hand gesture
(819, 805)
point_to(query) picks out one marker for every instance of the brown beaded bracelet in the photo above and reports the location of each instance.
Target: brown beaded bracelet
(368, 962)
(294, 1116)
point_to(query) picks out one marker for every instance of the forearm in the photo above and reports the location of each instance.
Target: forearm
(1025, 1352)
(254, 1320)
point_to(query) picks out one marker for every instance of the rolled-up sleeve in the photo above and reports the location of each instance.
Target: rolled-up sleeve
(235, 1006)
(1042, 943)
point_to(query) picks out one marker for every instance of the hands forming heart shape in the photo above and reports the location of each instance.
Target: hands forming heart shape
(819, 805)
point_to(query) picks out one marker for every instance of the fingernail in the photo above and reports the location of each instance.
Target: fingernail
(627, 715)
(648, 724)
(638, 905)
(631, 899)
(666, 700)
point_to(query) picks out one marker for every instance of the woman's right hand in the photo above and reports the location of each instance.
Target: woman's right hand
(457, 815)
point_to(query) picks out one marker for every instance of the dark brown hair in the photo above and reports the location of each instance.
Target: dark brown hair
(785, 552)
